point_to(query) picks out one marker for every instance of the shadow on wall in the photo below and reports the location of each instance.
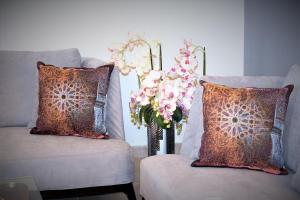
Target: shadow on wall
(272, 36)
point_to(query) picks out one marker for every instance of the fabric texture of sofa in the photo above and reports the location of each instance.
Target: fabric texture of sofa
(57, 162)
(167, 177)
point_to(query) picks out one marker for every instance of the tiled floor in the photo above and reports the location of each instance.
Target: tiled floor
(117, 196)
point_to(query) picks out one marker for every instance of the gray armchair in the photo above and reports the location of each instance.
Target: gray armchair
(60, 166)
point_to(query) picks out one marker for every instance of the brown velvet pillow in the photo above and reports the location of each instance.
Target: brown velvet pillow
(71, 101)
(243, 127)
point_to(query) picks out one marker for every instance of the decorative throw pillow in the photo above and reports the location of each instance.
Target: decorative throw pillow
(243, 127)
(72, 101)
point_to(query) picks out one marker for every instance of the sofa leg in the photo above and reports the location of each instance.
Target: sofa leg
(129, 191)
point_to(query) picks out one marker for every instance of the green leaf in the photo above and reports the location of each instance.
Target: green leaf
(147, 114)
(177, 115)
(141, 113)
(159, 120)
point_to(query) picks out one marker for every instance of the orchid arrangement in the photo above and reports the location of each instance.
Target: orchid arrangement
(163, 97)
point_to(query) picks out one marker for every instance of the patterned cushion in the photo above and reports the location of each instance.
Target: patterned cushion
(72, 101)
(243, 127)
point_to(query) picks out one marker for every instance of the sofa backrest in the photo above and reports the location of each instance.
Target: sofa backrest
(291, 139)
(19, 78)
(114, 111)
(194, 128)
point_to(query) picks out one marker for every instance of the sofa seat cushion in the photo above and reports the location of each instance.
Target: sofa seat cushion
(171, 177)
(61, 162)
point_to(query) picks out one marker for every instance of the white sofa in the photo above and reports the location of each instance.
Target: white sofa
(171, 177)
(61, 166)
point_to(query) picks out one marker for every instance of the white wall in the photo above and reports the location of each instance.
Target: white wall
(272, 29)
(92, 26)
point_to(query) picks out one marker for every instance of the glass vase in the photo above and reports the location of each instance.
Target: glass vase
(160, 141)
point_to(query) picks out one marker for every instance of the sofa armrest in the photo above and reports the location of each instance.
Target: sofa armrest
(114, 111)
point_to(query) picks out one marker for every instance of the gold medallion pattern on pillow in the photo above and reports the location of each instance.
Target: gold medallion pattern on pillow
(243, 127)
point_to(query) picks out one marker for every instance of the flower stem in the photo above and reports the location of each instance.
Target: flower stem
(151, 61)
(139, 81)
(202, 49)
(160, 57)
(204, 62)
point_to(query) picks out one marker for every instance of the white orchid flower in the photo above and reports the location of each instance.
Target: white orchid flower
(155, 75)
(142, 70)
(145, 101)
(152, 79)
(190, 63)
(172, 74)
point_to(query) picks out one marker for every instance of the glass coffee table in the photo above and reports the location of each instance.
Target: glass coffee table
(23, 188)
